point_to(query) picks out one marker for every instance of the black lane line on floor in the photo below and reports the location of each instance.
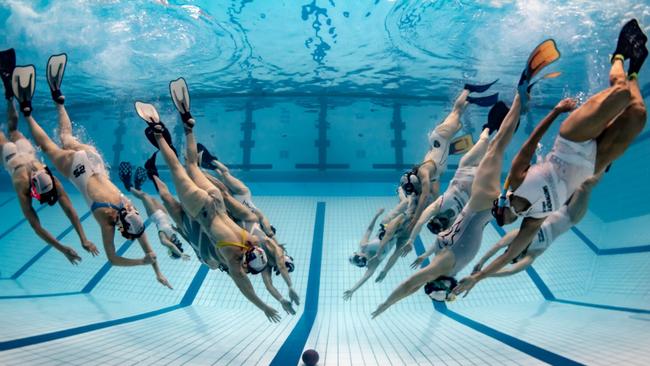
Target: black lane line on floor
(291, 350)
(516, 343)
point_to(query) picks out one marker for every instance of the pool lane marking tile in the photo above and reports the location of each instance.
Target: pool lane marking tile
(609, 251)
(516, 343)
(7, 201)
(188, 298)
(20, 222)
(291, 350)
(47, 248)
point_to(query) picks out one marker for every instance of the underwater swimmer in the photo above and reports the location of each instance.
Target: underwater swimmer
(30, 178)
(82, 164)
(590, 139)
(204, 203)
(555, 225)
(427, 174)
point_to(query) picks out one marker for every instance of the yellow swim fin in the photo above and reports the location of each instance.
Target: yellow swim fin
(461, 145)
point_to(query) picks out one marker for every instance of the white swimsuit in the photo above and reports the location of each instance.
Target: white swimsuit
(17, 154)
(556, 224)
(246, 200)
(85, 164)
(371, 247)
(438, 153)
(458, 192)
(163, 223)
(548, 185)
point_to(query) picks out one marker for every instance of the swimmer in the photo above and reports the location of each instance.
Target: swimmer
(32, 179)
(204, 203)
(590, 139)
(457, 246)
(427, 174)
(155, 211)
(440, 214)
(82, 164)
(557, 223)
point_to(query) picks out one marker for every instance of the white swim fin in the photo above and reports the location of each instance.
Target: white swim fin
(181, 97)
(55, 70)
(147, 112)
(23, 82)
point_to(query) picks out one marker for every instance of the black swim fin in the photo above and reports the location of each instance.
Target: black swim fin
(124, 172)
(486, 101)
(630, 37)
(7, 66)
(139, 178)
(495, 116)
(150, 168)
(479, 88)
(149, 132)
(206, 158)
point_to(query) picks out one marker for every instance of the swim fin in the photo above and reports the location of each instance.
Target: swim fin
(55, 70)
(486, 101)
(205, 157)
(23, 82)
(139, 178)
(150, 168)
(550, 75)
(543, 55)
(150, 115)
(495, 116)
(7, 66)
(124, 172)
(631, 36)
(181, 97)
(461, 145)
(479, 88)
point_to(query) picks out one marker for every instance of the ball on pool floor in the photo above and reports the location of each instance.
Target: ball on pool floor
(310, 357)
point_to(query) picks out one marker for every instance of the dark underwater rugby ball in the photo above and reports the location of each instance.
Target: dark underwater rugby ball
(310, 357)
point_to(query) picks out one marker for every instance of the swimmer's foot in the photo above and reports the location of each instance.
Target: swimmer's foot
(140, 178)
(205, 157)
(55, 70)
(631, 36)
(181, 97)
(7, 66)
(125, 174)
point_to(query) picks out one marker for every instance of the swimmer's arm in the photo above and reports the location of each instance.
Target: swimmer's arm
(521, 162)
(164, 240)
(577, 206)
(31, 216)
(236, 272)
(431, 211)
(372, 266)
(266, 225)
(503, 242)
(267, 278)
(71, 213)
(390, 232)
(529, 228)
(371, 227)
(515, 268)
(108, 235)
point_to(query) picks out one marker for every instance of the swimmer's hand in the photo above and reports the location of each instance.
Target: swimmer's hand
(566, 105)
(380, 211)
(90, 247)
(406, 249)
(149, 258)
(381, 276)
(286, 305)
(380, 309)
(185, 257)
(293, 295)
(347, 295)
(272, 314)
(418, 262)
(163, 280)
(71, 254)
(465, 285)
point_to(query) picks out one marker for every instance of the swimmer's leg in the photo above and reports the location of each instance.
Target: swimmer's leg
(235, 185)
(440, 265)
(451, 125)
(487, 182)
(196, 174)
(577, 206)
(68, 140)
(620, 133)
(151, 204)
(173, 207)
(590, 120)
(62, 159)
(474, 156)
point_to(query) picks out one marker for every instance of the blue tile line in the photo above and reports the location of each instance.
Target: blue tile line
(7, 200)
(548, 294)
(20, 222)
(525, 347)
(47, 248)
(609, 251)
(107, 266)
(188, 298)
(291, 350)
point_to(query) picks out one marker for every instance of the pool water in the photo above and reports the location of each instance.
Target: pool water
(319, 106)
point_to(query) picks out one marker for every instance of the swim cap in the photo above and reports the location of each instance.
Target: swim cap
(437, 224)
(358, 260)
(42, 187)
(256, 260)
(409, 181)
(288, 262)
(441, 289)
(130, 223)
